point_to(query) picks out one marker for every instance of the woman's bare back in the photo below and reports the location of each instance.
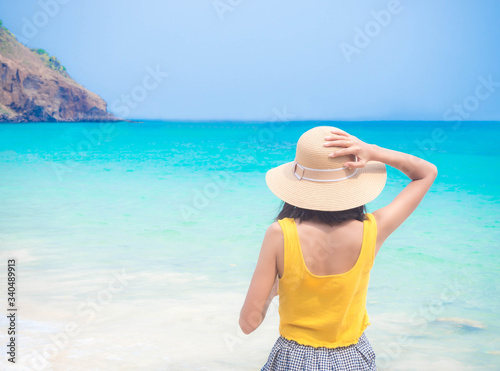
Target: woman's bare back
(328, 250)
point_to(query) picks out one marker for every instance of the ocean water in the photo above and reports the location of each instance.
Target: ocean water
(135, 244)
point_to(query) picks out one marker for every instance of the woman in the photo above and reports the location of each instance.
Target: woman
(322, 246)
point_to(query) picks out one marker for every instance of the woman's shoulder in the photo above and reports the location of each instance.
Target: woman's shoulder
(274, 226)
(273, 239)
(274, 229)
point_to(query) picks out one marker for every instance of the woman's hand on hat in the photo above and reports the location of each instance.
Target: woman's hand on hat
(352, 146)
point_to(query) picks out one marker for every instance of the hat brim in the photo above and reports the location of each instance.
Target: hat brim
(345, 194)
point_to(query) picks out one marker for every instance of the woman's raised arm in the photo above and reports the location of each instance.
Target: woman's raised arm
(421, 173)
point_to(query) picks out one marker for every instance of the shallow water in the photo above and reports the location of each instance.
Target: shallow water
(142, 239)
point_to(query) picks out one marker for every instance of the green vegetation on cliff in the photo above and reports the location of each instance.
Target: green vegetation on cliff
(50, 61)
(36, 87)
(8, 46)
(7, 41)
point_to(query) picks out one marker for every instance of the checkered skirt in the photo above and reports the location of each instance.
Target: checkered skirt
(288, 355)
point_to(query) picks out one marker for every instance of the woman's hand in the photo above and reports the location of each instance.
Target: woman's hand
(354, 146)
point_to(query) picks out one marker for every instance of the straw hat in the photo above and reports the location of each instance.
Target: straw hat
(316, 181)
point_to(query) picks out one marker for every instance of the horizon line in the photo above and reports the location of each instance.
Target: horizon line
(304, 120)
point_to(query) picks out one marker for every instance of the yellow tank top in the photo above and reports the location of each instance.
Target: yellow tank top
(324, 311)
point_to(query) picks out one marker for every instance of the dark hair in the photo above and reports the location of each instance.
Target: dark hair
(326, 217)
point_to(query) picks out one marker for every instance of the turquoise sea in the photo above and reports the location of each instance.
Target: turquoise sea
(135, 244)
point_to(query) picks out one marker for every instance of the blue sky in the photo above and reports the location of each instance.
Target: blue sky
(243, 60)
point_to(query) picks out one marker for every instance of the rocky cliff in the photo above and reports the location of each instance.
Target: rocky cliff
(36, 87)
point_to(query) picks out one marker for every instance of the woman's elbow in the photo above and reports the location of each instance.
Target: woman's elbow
(245, 327)
(431, 172)
(434, 171)
(248, 325)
